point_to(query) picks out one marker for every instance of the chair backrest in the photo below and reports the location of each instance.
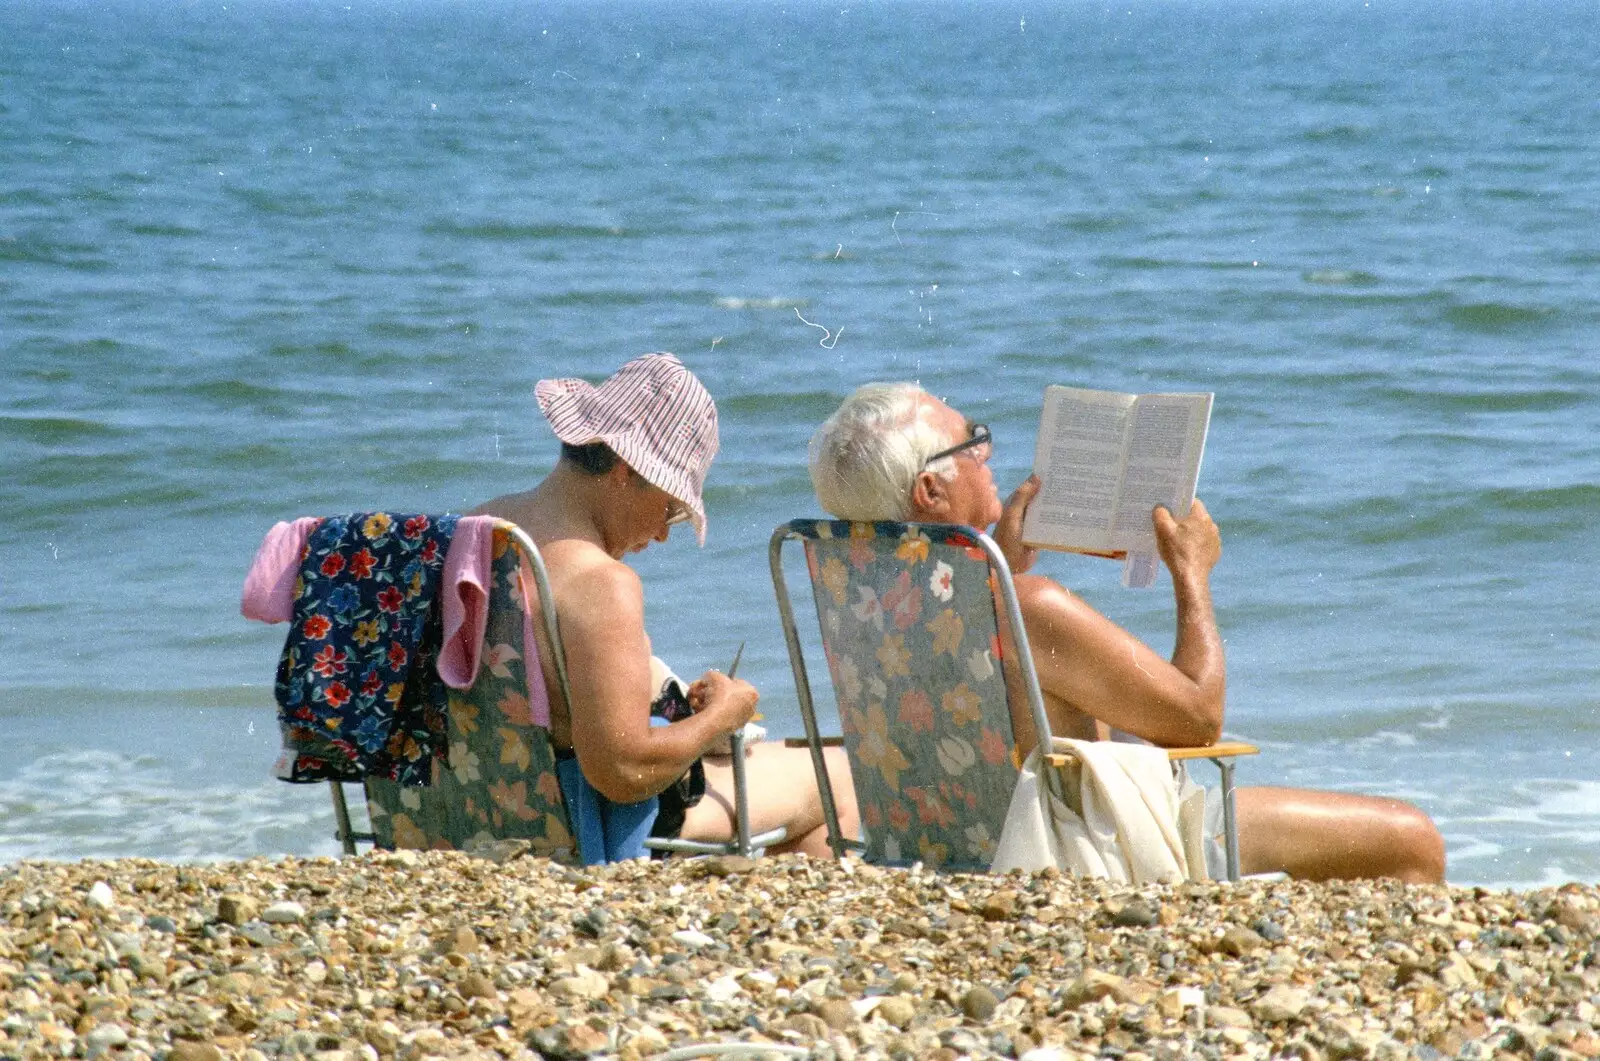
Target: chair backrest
(501, 781)
(908, 624)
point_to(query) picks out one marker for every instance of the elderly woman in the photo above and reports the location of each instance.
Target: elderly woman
(635, 451)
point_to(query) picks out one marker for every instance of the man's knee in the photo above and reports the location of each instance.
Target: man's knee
(1420, 839)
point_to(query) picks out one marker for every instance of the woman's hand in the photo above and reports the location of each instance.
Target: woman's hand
(730, 702)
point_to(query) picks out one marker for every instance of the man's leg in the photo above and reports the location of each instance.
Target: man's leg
(782, 791)
(1315, 835)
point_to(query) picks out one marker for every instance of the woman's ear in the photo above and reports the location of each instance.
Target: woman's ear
(623, 475)
(930, 498)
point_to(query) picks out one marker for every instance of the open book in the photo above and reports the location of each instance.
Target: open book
(1106, 459)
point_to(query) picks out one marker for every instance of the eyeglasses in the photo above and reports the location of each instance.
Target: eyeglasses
(677, 512)
(979, 436)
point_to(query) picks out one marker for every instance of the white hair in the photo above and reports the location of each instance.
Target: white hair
(865, 458)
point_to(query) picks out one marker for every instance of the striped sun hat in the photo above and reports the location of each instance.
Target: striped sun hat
(653, 414)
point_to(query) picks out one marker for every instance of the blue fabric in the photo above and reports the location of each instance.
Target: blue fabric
(606, 831)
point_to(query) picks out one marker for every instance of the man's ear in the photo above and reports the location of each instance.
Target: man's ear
(930, 498)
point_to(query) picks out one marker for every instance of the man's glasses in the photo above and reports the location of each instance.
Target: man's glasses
(677, 512)
(979, 437)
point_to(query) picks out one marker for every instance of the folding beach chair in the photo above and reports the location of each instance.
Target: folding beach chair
(500, 779)
(909, 628)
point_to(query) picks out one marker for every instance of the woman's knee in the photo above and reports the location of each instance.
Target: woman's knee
(844, 792)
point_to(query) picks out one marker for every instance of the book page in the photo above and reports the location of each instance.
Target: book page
(1078, 458)
(1166, 438)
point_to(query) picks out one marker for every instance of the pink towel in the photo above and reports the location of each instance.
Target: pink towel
(467, 571)
(268, 597)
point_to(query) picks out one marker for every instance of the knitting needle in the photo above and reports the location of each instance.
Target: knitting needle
(736, 751)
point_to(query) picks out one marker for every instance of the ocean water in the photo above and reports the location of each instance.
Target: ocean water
(262, 259)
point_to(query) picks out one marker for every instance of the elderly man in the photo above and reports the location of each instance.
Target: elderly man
(893, 451)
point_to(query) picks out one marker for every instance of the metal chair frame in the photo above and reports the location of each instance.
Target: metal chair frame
(743, 842)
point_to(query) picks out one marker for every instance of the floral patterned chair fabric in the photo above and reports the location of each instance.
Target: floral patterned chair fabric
(500, 781)
(909, 628)
(907, 613)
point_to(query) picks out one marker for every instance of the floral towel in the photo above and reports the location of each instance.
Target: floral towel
(357, 687)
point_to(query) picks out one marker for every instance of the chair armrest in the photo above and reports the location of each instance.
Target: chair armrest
(1224, 750)
(801, 742)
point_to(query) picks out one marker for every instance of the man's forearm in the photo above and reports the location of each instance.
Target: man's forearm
(1198, 650)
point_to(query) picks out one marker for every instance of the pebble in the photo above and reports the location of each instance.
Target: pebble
(1280, 1004)
(501, 955)
(101, 896)
(837, 1014)
(286, 913)
(1136, 913)
(979, 1004)
(897, 1010)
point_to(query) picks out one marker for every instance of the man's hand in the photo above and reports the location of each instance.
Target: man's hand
(1191, 545)
(1008, 531)
(731, 702)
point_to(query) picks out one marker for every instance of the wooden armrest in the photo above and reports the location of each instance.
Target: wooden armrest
(1224, 750)
(801, 742)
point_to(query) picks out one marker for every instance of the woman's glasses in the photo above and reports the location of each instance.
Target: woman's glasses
(979, 436)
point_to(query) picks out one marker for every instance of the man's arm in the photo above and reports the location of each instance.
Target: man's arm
(1093, 666)
(608, 666)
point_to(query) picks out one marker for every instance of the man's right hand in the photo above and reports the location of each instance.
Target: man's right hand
(1191, 545)
(1008, 531)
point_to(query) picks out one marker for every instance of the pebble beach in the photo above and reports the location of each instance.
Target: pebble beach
(500, 954)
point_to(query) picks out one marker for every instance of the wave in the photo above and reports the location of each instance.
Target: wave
(1341, 277)
(1539, 400)
(804, 407)
(510, 232)
(1496, 317)
(283, 204)
(1495, 515)
(427, 473)
(56, 430)
(175, 231)
(78, 257)
(776, 302)
(1094, 224)
(76, 804)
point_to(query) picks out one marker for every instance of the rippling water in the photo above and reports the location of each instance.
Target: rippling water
(267, 259)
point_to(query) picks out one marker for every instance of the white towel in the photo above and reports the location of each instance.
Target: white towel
(1133, 828)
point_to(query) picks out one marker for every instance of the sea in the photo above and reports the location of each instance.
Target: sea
(269, 258)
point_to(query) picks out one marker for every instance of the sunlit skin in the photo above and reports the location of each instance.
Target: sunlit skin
(584, 526)
(1096, 676)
